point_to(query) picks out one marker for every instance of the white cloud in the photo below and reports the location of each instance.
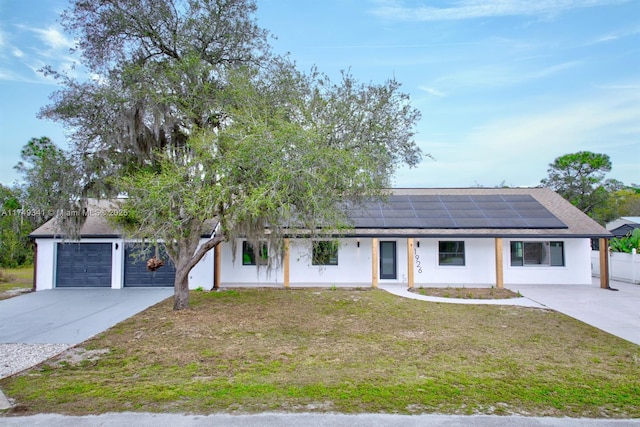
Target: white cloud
(617, 35)
(472, 9)
(37, 48)
(550, 70)
(501, 74)
(518, 147)
(432, 91)
(532, 141)
(54, 38)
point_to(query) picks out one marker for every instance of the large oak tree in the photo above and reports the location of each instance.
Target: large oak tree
(191, 115)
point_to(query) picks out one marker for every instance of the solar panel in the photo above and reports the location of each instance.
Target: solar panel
(432, 213)
(419, 198)
(473, 222)
(501, 213)
(428, 205)
(487, 198)
(454, 211)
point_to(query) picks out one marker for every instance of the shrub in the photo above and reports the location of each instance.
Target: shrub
(626, 243)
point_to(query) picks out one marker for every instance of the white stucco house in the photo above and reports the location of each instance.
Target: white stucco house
(416, 237)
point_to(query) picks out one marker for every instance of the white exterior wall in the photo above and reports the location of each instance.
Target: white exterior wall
(353, 269)
(236, 274)
(355, 265)
(479, 268)
(201, 276)
(117, 264)
(45, 264)
(402, 267)
(576, 270)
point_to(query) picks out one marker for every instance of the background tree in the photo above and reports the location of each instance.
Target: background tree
(621, 201)
(628, 200)
(15, 226)
(195, 120)
(579, 178)
(47, 178)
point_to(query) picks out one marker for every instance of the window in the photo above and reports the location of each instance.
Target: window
(451, 253)
(537, 253)
(249, 256)
(325, 252)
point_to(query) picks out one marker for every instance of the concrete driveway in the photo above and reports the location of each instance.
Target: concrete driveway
(616, 312)
(70, 316)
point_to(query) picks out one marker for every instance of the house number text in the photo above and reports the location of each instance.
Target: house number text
(417, 257)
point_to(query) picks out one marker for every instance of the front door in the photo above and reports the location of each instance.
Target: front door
(388, 260)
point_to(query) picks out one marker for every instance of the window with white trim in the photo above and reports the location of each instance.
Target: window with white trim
(451, 253)
(537, 253)
(249, 255)
(324, 252)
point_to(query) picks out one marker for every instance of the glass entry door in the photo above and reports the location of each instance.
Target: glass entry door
(388, 260)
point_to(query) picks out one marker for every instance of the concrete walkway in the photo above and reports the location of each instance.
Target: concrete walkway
(307, 420)
(70, 316)
(403, 291)
(615, 312)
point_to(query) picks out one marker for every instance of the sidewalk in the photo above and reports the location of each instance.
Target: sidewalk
(307, 420)
(403, 291)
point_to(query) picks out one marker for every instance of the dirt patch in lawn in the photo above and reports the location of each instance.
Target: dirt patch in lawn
(467, 293)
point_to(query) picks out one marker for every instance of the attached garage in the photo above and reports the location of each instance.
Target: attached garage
(136, 273)
(83, 265)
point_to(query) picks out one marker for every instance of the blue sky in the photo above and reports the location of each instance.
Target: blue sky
(504, 86)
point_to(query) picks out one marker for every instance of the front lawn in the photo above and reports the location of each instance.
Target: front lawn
(16, 281)
(348, 351)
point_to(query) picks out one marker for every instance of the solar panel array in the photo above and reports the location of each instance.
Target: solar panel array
(453, 211)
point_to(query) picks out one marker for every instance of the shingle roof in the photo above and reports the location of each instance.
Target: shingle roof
(438, 212)
(624, 230)
(96, 223)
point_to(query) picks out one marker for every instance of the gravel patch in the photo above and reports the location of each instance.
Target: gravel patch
(18, 357)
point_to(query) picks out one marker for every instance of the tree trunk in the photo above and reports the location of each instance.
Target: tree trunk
(181, 291)
(184, 265)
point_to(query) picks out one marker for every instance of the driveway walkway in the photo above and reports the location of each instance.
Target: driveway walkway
(616, 312)
(70, 316)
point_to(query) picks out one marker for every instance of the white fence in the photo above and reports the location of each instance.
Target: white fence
(622, 267)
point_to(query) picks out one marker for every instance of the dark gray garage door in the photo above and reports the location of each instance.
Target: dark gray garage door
(135, 267)
(83, 264)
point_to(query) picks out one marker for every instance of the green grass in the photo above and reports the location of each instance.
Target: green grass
(343, 351)
(17, 278)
